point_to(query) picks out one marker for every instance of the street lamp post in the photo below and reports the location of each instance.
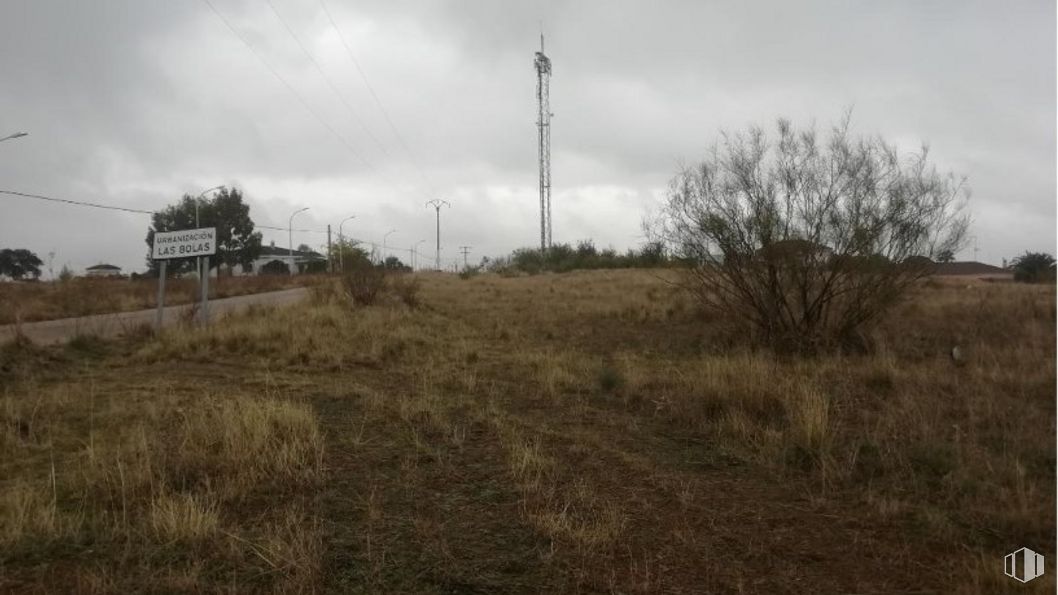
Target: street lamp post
(198, 259)
(290, 237)
(384, 246)
(415, 251)
(15, 135)
(199, 198)
(341, 244)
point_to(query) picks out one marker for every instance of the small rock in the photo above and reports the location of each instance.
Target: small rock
(957, 355)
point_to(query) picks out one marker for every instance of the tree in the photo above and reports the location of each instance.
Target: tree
(394, 264)
(806, 239)
(1033, 267)
(946, 256)
(275, 267)
(348, 255)
(19, 263)
(237, 242)
(304, 248)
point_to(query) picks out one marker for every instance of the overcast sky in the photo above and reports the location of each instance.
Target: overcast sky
(135, 103)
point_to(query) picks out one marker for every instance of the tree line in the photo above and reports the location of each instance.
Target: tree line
(237, 242)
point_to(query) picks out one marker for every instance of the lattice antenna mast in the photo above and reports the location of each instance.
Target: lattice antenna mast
(543, 125)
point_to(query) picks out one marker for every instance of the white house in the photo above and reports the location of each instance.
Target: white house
(297, 260)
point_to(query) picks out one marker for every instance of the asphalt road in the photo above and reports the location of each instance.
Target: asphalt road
(109, 325)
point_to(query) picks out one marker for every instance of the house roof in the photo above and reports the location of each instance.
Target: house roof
(103, 267)
(967, 268)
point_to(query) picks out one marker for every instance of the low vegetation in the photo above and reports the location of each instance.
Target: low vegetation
(29, 302)
(562, 258)
(591, 431)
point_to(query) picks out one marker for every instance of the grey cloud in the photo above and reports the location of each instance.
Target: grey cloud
(135, 103)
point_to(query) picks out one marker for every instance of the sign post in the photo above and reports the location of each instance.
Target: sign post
(161, 297)
(204, 282)
(184, 244)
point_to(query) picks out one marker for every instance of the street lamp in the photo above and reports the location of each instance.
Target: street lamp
(341, 244)
(15, 135)
(384, 246)
(290, 237)
(199, 198)
(198, 259)
(415, 252)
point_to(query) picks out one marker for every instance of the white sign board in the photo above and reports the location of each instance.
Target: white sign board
(184, 243)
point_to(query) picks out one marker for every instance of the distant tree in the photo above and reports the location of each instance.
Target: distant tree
(19, 263)
(946, 256)
(65, 274)
(313, 266)
(1033, 267)
(237, 242)
(275, 267)
(392, 263)
(304, 248)
(651, 255)
(348, 255)
(586, 249)
(806, 239)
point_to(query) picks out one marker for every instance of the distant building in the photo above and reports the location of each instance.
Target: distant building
(298, 261)
(972, 270)
(103, 270)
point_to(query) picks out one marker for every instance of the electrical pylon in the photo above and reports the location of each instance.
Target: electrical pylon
(437, 204)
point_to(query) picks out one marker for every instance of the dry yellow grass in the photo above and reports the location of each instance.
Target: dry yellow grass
(585, 431)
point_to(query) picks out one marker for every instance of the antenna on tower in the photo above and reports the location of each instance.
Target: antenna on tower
(543, 125)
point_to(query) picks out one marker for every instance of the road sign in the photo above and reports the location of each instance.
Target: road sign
(185, 243)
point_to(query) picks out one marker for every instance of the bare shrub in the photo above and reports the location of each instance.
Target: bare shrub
(406, 289)
(809, 240)
(364, 284)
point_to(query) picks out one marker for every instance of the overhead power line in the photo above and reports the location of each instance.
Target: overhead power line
(75, 202)
(378, 102)
(292, 90)
(327, 79)
(96, 205)
(301, 99)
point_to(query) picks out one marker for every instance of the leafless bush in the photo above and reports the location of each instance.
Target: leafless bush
(364, 284)
(406, 289)
(809, 240)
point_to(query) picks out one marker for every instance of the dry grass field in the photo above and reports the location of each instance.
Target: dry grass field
(30, 302)
(584, 432)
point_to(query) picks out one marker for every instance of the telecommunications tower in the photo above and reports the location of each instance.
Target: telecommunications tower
(543, 125)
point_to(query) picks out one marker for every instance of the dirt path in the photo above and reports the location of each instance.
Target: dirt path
(50, 332)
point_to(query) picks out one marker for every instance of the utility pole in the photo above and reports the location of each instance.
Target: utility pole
(465, 250)
(330, 252)
(437, 203)
(543, 125)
